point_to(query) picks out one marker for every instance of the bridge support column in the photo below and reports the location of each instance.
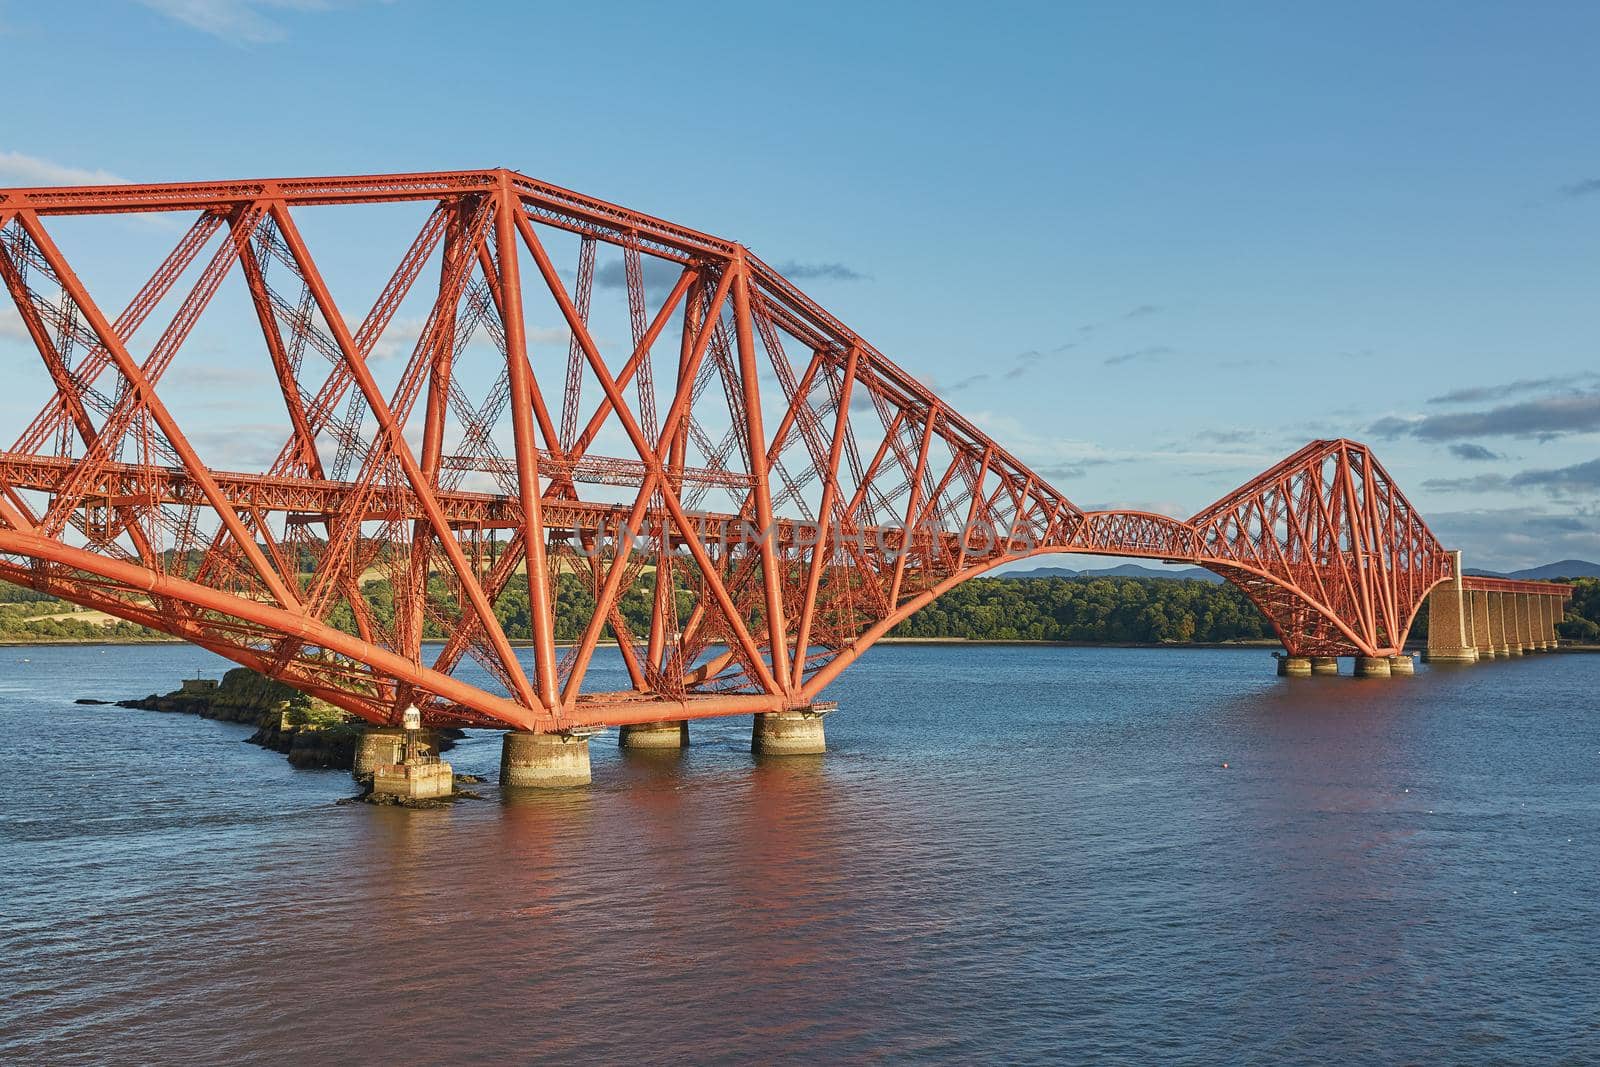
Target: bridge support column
(543, 761)
(654, 735)
(1517, 622)
(1450, 621)
(1482, 642)
(1498, 636)
(1532, 628)
(1554, 609)
(1402, 664)
(1324, 664)
(790, 733)
(1293, 666)
(1372, 667)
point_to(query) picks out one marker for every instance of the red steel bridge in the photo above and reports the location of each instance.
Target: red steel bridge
(725, 454)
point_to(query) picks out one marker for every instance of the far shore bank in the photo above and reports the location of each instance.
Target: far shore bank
(1265, 643)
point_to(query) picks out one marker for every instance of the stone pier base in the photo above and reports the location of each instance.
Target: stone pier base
(420, 779)
(1372, 667)
(1294, 666)
(790, 733)
(1401, 665)
(387, 744)
(654, 735)
(1324, 665)
(378, 744)
(543, 761)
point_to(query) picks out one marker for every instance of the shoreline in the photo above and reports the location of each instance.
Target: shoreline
(1261, 643)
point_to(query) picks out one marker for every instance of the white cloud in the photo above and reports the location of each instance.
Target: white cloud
(239, 22)
(11, 323)
(24, 171)
(400, 339)
(1047, 452)
(548, 335)
(234, 21)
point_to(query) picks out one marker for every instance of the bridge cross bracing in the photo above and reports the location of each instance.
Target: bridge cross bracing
(721, 478)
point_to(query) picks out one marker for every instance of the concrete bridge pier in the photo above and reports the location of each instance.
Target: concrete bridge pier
(791, 733)
(1325, 665)
(1372, 667)
(1292, 666)
(654, 736)
(544, 761)
(1402, 665)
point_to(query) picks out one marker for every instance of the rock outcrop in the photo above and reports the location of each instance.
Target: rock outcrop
(311, 732)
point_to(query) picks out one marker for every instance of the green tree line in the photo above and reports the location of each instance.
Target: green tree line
(1141, 610)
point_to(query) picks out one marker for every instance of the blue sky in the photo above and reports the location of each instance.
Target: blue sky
(1152, 248)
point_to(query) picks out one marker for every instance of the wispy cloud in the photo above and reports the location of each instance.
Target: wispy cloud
(1473, 453)
(1143, 311)
(828, 272)
(1581, 478)
(1066, 472)
(1587, 187)
(1153, 352)
(238, 22)
(1024, 362)
(1542, 418)
(20, 170)
(660, 275)
(1471, 483)
(1479, 394)
(1227, 437)
(11, 323)
(402, 335)
(240, 447)
(1508, 538)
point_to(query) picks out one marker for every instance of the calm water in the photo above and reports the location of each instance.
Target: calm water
(1011, 854)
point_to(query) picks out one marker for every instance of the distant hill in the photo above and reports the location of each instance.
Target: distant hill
(1041, 572)
(1125, 570)
(1567, 568)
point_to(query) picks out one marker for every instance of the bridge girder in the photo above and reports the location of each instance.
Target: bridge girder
(776, 492)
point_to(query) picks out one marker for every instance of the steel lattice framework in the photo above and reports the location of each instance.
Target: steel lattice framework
(776, 491)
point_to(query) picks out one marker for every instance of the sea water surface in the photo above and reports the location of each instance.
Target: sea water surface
(1009, 854)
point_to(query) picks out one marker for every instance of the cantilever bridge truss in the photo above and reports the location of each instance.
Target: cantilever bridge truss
(477, 436)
